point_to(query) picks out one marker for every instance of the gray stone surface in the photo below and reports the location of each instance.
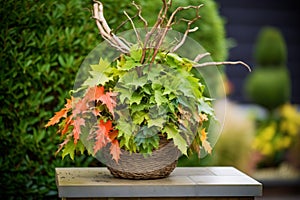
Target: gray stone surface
(183, 182)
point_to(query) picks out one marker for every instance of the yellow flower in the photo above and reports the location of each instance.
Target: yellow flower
(268, 132)
(267, 149)
(291, 123)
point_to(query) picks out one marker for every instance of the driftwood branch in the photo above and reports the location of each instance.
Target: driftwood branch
(155, 37)
(223, 63)
(105, 30)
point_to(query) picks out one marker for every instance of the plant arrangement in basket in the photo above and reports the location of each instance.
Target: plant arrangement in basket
(147, 94)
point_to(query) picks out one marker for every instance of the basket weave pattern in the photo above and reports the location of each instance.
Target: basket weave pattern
(159, 164)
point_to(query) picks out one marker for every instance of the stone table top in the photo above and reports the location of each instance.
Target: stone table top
(183, 182)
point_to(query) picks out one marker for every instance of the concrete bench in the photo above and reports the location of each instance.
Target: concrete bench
(184, 183)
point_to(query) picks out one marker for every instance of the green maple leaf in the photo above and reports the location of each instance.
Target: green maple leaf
(126, 131)
(159, 97)
(159, 122)
(138, 107)
(70, 148)
(206, 107)
(136, 53)
(130, 64)
(98, 74)
(173, 133)
(139, 117)
(136, 98)
(125, 126)
(123, 93)
(147, 139)
(176, 61)
(147, 89)
(133, 79)
(96, 79)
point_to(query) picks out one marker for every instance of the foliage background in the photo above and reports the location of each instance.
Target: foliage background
(42, 46)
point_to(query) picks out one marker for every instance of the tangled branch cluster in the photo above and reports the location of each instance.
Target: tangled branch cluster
(155, 36)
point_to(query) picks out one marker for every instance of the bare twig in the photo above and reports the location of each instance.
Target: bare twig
(133, 26)
(160, 19)
(139, 8)
(200, 56)
(188, 30)
(138, 14)
(168, 26)
(223, 63)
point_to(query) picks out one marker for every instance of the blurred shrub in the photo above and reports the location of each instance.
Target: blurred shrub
(276, 135)
(270, 50)
(269, 83)
(42, 46)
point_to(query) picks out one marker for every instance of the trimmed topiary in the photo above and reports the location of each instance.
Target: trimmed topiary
(269, 83)
(270, 50)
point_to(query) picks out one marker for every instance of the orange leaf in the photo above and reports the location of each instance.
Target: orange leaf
(69, 121)
(80, 107)
(77, 122)
(115, 150)
(94, 93)
(60, 114)
(113, 134)
(97, 93)
(102, 133)
(205, 143)
(68, 105)
(108, 101)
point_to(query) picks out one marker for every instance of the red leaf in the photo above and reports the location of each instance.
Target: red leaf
(97, 93)
(80, 107)
(115, 150)
(95, 111)
(76, 130)
(113, 134)
(94, 93)
(102, 133)
(108, 101)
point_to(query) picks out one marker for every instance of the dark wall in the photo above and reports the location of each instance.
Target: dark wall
(244, 19)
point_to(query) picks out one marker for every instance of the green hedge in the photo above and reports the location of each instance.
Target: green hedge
(42, 46)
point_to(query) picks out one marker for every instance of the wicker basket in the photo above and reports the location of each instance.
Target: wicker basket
(159, 164)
